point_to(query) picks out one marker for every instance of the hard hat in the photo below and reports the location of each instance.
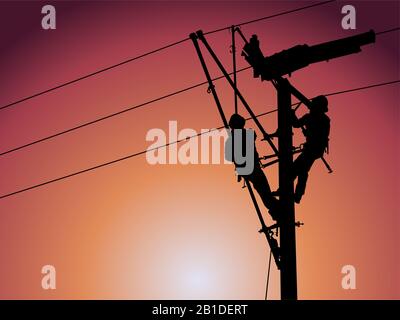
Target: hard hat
(237, 121)
(319, 103)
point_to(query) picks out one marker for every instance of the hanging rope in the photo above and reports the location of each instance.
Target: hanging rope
(233, 50)
(269, 269)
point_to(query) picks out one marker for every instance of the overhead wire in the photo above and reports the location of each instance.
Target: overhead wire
(168, 144)
(111, 115)
(173, 44)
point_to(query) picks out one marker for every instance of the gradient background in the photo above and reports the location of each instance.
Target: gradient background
(136, 231)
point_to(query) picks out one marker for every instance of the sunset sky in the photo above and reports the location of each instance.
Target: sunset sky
(138, 231)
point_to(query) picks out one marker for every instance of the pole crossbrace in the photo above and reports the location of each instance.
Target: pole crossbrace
(273, 243)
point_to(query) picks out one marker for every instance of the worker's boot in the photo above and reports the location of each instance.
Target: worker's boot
(274, 209)
(300, 187)
(297, 196)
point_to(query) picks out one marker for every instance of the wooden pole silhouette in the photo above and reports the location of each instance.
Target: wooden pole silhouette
(286, 194)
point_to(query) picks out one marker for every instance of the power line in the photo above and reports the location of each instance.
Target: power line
(270, 16)
(113, 114)
(171, 143)
(387, 31)
(286, 12)
(93, 74)
(363, 88)
(341, 92)
(150, 53)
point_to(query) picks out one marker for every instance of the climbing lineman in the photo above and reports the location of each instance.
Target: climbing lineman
(257, 176)
(316, 127)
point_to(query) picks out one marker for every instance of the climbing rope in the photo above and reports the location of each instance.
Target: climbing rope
(269, 269)
(233, 50)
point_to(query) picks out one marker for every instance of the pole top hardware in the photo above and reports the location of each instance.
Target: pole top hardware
(300, 56)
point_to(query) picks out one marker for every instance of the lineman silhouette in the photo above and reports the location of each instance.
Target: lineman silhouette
(316, 127)
(257, 177)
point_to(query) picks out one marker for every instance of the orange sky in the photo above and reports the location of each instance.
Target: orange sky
(137, 231)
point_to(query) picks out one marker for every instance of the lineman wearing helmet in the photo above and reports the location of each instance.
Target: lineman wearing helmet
(316, 127)
(257, 177)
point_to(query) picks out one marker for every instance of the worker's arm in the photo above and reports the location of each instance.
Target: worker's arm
(298, 123)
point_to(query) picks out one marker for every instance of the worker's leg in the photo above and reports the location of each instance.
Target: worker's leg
(298, 165)
(302, 168)
(260, 183)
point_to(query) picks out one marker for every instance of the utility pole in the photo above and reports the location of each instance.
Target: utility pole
(286, 195)
(274, 68)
